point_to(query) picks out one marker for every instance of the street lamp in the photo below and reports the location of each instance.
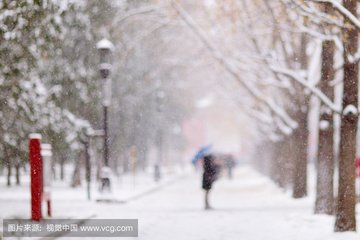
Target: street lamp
(105, 48)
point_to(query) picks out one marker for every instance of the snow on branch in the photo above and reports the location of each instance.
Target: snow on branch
(144, 10)
(47, 114)
(340, 8)
(143, 36)
(293, 75)
(230, 68)
(315, 15)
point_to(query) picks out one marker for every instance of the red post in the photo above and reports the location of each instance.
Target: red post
(35, 175)
(357, 166)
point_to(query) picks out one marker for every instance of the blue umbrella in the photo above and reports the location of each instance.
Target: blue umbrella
(201, 153)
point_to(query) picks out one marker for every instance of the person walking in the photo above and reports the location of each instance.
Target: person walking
(209, 176)
(229, 164)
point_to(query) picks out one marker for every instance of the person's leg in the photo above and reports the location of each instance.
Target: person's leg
(207, 206)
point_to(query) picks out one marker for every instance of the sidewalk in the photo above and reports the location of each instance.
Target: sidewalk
(249, 207)
(70, 202)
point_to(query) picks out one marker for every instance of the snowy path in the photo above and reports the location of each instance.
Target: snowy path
(250, 207)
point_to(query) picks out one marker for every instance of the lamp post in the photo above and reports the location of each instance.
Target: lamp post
(105, 48)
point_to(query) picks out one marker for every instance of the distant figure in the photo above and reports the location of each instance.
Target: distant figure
(157, 174)
(230, 164)
(209, 176)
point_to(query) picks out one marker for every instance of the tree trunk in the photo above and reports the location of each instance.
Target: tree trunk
(62, 166)
(300, 135)
(17, 172)
(8, 167)
(9, 173)
(345, 215)
(324, 203)
(289, 160)
(282, 167)
(54, 175)
(2, 167)
(300, 160)
(274, 166)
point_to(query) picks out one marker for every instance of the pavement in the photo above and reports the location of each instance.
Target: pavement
(249, 207)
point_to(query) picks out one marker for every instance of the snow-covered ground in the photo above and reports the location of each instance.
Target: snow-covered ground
(72, 202)
(249, 207)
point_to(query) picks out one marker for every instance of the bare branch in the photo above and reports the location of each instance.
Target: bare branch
(293, 75)
(231, 69)
(346, 13)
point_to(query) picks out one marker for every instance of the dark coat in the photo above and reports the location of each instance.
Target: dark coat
(210, 172)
